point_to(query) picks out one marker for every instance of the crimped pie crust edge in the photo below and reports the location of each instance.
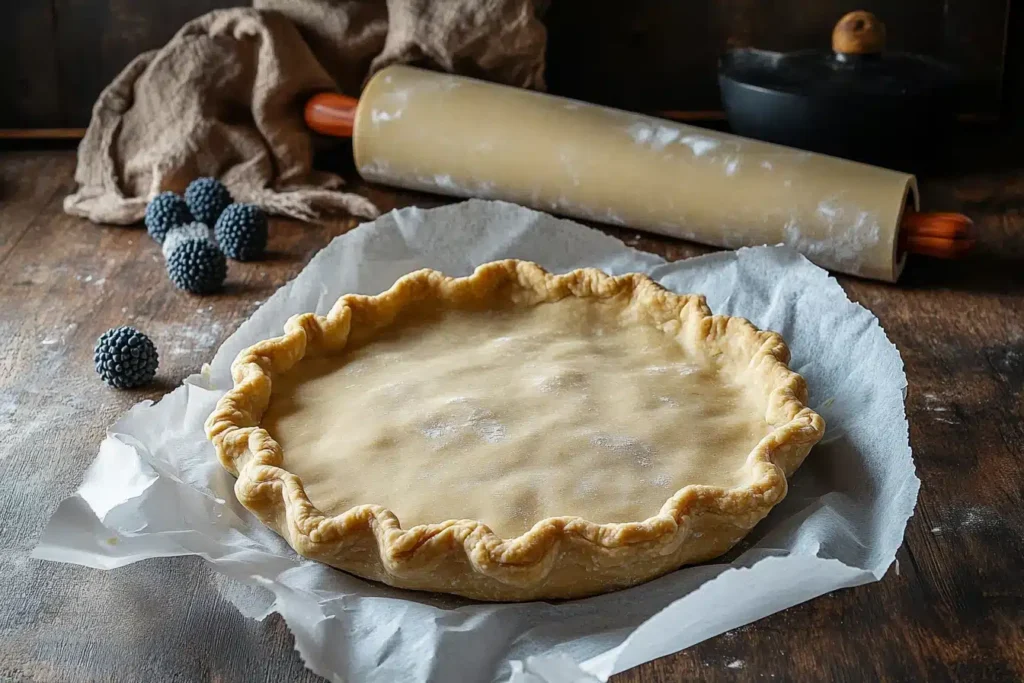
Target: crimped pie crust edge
(559, 557)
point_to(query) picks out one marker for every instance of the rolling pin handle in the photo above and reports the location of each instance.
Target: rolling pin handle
(331, 113)
(937, 234)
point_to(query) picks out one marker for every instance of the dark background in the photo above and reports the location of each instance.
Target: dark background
(56, 55)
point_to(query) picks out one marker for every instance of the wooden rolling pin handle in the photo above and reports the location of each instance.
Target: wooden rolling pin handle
(942, 235)
(331, 113)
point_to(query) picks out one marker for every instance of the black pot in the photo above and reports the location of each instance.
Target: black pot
(858, 102)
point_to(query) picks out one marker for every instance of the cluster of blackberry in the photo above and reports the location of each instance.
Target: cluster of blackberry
(196, 262)
(196, 256)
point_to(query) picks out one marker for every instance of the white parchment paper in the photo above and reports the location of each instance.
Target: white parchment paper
(156, 488)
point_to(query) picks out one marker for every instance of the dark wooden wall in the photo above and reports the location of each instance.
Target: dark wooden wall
(652, 54)
(56, 55)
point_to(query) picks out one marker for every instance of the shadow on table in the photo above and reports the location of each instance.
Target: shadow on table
(976, 273)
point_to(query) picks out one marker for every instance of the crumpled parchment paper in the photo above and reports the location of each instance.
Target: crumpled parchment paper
(156, 488)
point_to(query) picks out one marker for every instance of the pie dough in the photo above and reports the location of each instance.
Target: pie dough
(514, 435)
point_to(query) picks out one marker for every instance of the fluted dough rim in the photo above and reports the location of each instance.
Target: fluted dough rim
(560, 556)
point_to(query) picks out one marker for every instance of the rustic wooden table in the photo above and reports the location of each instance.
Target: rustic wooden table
(951, 609)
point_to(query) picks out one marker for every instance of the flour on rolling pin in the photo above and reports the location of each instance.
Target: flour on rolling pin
(467, 138)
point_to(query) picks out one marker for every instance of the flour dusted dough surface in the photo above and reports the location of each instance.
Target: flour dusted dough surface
(515, 416)
(513, 434)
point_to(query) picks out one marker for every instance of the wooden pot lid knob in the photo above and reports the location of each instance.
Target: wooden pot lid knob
(858, 33)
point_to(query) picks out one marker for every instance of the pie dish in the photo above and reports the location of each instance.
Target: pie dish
(514, 434)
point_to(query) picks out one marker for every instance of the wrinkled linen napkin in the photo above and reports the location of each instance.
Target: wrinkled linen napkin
(224, 97)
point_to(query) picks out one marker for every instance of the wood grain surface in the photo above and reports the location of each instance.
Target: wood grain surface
(952, 609)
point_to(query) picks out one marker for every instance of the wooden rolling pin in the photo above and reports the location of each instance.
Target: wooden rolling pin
(467, 138)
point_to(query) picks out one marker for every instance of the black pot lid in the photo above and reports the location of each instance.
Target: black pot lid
(857, 66)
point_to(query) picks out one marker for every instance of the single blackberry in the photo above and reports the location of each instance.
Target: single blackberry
(197, 266)
(125, 358)
(165, 211)
(207, 198)
(185, 232)
(242, 232)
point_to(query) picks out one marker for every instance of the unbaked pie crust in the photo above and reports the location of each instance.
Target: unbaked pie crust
(539, 436)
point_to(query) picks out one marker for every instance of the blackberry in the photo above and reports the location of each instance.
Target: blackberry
(197, 266)
(165, 211)
(125, 358)
(207, 198)
(242, 232)
(184, 232)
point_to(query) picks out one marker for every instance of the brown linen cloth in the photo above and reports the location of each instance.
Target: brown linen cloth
(224, 97)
